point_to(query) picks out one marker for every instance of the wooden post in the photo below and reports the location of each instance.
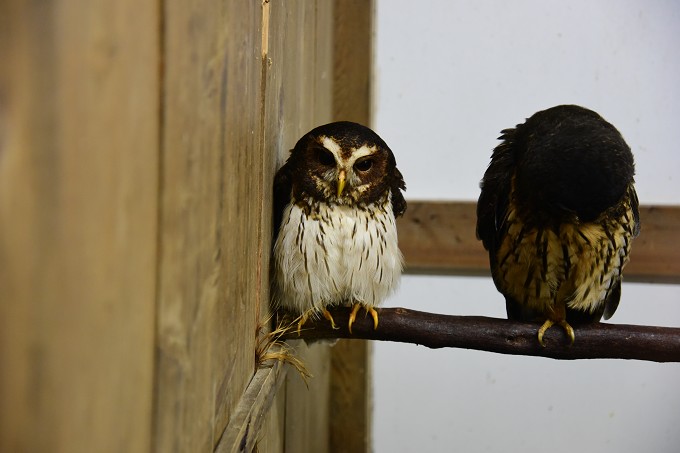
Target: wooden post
(350, 404)
(213, 229)
(78, 197)
(299, 98)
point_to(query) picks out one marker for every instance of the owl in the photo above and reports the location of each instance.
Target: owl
(335, 203)
(558, 212)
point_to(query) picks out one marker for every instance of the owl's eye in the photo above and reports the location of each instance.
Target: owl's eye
(326, 158)
(364, 165)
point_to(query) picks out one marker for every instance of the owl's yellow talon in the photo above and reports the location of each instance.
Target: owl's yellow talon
(570, 331)
(355, 309)
(328, 316)
(353, 316)
(303, 319)
(549, 323)
(546, 325)
(374, 314)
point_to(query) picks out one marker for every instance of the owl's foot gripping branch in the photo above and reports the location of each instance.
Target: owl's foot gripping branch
(593, 341)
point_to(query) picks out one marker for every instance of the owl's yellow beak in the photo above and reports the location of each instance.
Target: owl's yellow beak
(341, 181)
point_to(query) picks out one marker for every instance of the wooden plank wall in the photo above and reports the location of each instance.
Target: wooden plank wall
(217, 170)
(138, 142)
(211, 237)
(78, 212)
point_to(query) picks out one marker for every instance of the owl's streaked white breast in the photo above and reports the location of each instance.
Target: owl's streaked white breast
(578, 264)
(330, 254)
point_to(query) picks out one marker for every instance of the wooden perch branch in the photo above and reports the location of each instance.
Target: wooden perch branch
(595, 341)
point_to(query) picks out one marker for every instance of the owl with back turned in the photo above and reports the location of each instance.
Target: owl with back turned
(335, 203)
(558, 212)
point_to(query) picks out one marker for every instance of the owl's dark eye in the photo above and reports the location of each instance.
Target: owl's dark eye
(364, 165)
(326, 158)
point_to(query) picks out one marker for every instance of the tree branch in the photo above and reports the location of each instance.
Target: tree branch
(593, 341)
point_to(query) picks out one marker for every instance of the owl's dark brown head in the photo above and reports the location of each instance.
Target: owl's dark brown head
(344, 163)
(568, 161)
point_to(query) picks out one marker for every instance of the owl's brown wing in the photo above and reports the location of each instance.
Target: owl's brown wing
(282, 196)
(398, 201)
(492, 209)
(492, 206)
(635, 206)
(614, 296)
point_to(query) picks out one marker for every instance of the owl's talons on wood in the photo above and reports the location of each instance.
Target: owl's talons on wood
(327, 315)
(570, 331)
(549, 323)
(355, 309)
(303, 319)
(374, 315)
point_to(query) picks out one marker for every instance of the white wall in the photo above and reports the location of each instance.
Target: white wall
(449, 76)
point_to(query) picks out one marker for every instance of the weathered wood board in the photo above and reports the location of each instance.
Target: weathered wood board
(79, 130)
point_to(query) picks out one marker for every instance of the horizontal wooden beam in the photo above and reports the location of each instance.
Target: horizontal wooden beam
(593, 341)
(439, 238)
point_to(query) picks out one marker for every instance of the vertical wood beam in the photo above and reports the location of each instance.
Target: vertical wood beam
(78, 212)
(298, 97)
(211, 222)
(350, 405)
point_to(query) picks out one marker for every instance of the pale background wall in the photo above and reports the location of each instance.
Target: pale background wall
(449, 76)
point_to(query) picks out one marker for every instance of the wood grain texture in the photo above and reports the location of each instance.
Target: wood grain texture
(307, 409)
(211, 220)
(350, 425)
(272, 435)
(298, 97)
(242, 83)
(655, 253)
(353, 59)
(245, 425)
(78, 181)
(439, 238)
